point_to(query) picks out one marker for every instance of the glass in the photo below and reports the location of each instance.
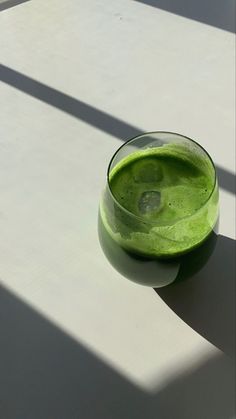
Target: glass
(159, 209)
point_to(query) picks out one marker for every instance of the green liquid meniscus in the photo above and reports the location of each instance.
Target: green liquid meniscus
(165, 201)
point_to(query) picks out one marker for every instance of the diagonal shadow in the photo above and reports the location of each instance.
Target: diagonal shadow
(7, 4)
(218, 13)
(192, 395)
(45, 374)
(68, 104)
(86, 113)
(206, 301)
(226, 179)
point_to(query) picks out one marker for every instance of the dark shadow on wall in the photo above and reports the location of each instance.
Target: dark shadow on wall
(226, 179)
(68, 104)
(206, 301)
(7, 4)
(45, 374)
(193, 395)
(218, 13)
(87, 113)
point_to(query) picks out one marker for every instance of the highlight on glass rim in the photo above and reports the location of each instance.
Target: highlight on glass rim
(161, 197)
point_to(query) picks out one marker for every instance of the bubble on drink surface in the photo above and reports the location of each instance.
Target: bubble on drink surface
(149, 202)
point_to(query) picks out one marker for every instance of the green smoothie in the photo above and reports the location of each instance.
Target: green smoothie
(164, 201)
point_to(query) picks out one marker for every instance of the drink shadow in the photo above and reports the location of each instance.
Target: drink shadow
(206, 301)
(199, 287)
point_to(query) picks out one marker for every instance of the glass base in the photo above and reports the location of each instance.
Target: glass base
(155, 273)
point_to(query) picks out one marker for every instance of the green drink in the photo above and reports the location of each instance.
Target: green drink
(161, 200)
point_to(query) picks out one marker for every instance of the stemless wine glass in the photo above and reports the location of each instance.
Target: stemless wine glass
(160, 205)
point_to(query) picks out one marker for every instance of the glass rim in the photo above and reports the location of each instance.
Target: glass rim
(131, 214)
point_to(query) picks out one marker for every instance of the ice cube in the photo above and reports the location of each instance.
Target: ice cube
(149, 201)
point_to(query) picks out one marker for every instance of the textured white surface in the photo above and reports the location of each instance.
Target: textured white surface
(149, 68)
